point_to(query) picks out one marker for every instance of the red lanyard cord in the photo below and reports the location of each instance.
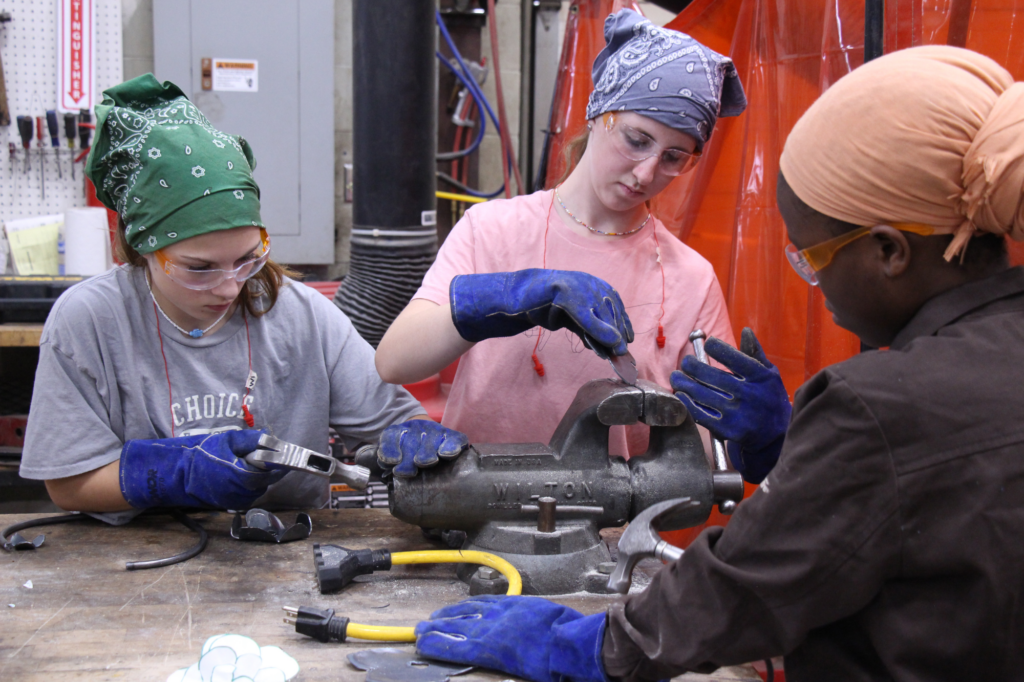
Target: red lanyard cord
(538, 366)
(167, 371)
(250, 421)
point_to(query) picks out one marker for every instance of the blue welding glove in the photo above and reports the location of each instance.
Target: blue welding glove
(748, 407)
(418, 443)
(499, 304)
(194, 471)
(527, 637)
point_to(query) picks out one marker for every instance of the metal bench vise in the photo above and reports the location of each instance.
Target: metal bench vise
(502, 495)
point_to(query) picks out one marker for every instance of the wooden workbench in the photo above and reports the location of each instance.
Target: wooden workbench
(20, 334)
(86, 617)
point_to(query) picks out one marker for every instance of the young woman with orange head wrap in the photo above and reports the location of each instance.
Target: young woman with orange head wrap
(883, 545)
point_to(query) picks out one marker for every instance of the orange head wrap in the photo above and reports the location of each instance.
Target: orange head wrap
(931, 135)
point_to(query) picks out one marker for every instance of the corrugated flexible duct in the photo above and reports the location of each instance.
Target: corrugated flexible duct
(394, 240)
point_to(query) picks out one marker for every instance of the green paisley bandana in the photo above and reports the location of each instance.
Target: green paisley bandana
(167, 172)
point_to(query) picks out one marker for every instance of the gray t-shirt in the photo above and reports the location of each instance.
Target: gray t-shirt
(102, 381)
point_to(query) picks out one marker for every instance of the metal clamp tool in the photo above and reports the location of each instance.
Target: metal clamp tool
(275, 453)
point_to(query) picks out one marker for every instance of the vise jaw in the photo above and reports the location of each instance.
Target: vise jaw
(494, 491)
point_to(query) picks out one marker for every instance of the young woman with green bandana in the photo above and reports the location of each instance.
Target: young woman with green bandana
(157, 377)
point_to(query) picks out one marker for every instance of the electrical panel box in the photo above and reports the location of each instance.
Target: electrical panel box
(264, 69)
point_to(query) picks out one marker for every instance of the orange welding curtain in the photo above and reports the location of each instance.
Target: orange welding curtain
(787, 53)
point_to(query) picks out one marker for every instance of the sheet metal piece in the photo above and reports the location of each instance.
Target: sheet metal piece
(259, 525)
(625, 367)
(275, 453)
(11, 540)
(391, 664)
(18, 541)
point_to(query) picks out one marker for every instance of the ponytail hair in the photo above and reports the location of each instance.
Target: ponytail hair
(573, 152)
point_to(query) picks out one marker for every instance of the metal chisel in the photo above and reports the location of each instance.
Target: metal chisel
(625, 367)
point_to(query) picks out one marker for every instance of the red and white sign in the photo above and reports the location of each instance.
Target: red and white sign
(76, 55)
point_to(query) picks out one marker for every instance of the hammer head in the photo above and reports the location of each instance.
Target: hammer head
(641, 540)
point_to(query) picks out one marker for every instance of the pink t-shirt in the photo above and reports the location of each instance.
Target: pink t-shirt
(497, 397)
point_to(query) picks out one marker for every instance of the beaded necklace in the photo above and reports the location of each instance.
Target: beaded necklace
(250, 380)
(195, 333)
(594, 229)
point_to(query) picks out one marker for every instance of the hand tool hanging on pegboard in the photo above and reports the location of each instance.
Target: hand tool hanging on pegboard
(25, 132)
(85, 128)
(71, 132)
(54, 129)
(40, 127)
(5, 112)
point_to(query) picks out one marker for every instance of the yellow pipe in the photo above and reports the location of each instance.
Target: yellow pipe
(460, 197)
(384, 633)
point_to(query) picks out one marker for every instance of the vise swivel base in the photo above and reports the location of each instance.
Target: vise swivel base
(501, 494)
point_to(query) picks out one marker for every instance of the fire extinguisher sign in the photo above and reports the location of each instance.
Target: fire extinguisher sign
(76, 63)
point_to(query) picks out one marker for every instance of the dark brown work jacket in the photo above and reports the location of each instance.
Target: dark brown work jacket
(888, 542)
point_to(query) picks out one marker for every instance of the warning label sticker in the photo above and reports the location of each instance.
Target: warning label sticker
(236, 75)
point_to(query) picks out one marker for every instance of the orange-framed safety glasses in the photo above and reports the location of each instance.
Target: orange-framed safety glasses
(203, 280)
(809, 261)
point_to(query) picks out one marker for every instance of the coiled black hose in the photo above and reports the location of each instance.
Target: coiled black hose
(394, 234)
(380, 283)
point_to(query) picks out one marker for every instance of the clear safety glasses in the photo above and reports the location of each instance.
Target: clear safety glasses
(202, 280)
(809, 261)
(636, 145)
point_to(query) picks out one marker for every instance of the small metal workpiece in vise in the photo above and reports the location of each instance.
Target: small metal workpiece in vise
(402, 665)
(541, 507)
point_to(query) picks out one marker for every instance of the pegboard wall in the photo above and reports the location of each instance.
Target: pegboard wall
(28, 47)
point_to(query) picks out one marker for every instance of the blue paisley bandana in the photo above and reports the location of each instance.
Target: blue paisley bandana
(665, 75)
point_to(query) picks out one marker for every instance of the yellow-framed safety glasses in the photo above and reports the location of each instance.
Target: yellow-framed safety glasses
(809, 261)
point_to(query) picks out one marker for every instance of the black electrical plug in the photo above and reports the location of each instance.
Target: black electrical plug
(320, 624)
(337, 566)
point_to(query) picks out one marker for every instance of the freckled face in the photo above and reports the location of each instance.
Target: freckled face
(622, 183)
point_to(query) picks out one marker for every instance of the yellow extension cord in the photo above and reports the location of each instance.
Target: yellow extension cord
(385, 633)
(459, 197)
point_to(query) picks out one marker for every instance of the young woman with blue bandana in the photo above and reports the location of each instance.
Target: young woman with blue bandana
(589, 258)
(157, 377)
